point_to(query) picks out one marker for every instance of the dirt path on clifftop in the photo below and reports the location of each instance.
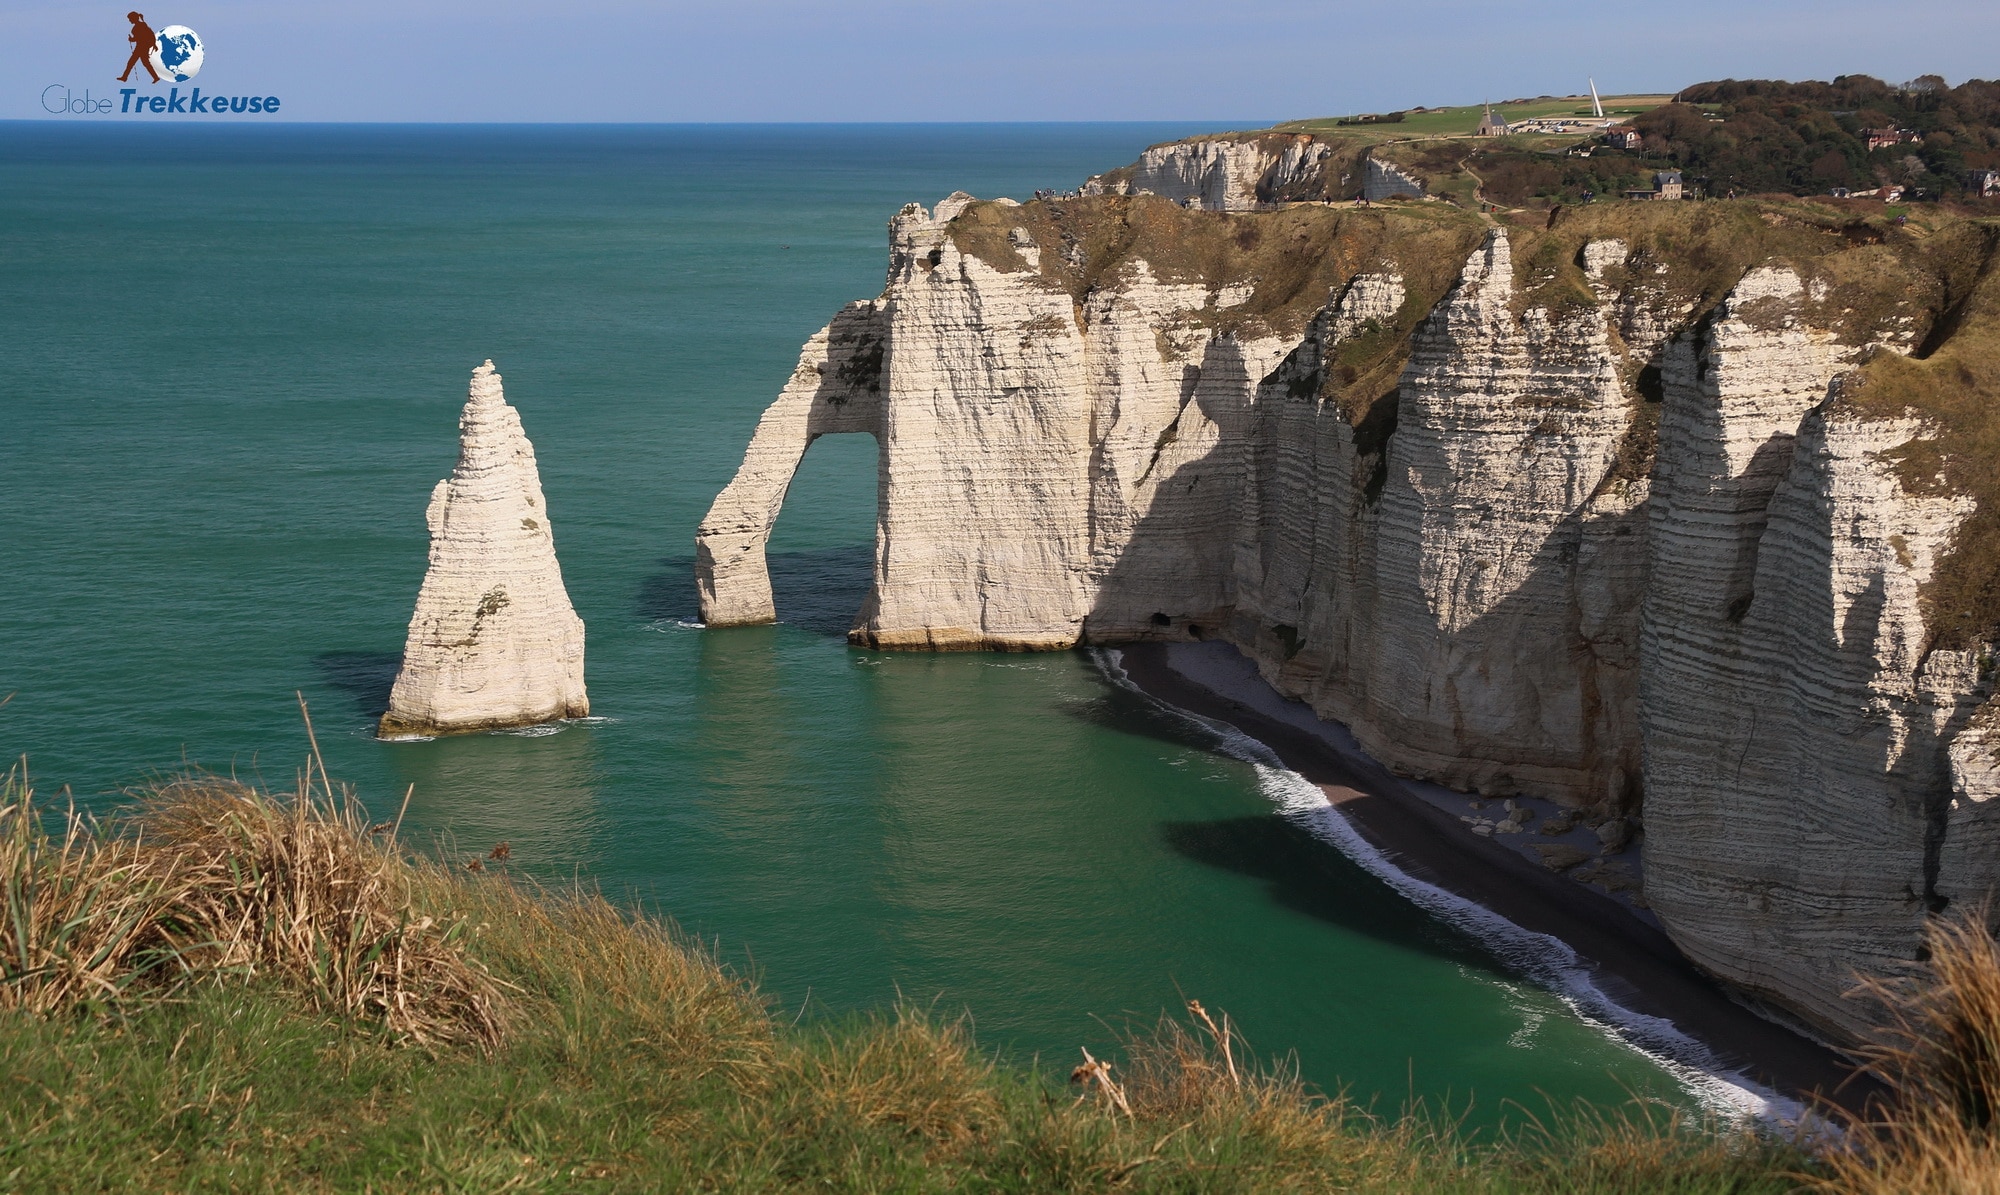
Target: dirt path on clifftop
(1635, 963)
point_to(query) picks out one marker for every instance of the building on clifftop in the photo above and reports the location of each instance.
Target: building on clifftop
(1490, 125)
(1667, 184)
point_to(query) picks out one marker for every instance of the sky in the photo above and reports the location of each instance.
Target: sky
(1237, 62)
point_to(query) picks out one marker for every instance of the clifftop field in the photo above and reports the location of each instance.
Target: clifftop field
(1462, 120)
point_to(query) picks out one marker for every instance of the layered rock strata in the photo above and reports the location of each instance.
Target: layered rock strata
(1225, 174)
(1384, 180)
(493, 642)
(1582, 511)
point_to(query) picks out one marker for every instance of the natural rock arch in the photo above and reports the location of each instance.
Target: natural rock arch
(837, 387)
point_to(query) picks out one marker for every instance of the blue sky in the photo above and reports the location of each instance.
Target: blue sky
(784, 60)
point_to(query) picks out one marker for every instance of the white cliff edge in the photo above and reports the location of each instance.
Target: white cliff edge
(1221, 174)
(494, 642)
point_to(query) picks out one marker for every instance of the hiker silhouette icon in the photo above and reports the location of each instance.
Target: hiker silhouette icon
(143, 42)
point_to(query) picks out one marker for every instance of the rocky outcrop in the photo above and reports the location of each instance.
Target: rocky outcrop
(1224, 174)
(494, 642)
(1497, 532)
(994, 564)
(1582, 511)
(1385, 180)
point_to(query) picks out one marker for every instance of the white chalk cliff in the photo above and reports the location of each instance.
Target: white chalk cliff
(494, 641)
(1578, 511)
(1224, 174)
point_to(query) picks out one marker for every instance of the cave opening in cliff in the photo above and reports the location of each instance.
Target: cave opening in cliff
(821, 553)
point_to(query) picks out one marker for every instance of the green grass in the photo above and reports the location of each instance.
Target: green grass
(625, 1058)
(236, 1088)
(1461, 121)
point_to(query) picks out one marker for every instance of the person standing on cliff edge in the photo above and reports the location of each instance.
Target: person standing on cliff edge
(143, 42)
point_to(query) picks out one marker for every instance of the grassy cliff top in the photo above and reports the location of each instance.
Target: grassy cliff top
(239, 991)
(1873, 272)
(1291, 258)
(1431, 123)
(1879, 274)
(1460, 121)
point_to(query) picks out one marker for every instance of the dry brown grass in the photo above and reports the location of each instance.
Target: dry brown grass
(1185, 1084)
(206, 878)
(83, 917)
(1292, 258)
(1940, 1132)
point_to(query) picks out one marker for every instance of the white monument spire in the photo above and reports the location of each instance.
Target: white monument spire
(1596, 105)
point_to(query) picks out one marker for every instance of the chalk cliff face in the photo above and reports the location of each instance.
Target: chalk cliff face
(1603, 511)
(494, 641)
(1224, 174)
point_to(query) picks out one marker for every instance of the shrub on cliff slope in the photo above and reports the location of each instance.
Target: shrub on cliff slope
(1952, 383)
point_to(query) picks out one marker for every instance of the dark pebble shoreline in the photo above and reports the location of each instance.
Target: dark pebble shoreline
(1633, 961)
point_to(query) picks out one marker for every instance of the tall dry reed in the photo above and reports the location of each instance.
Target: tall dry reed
(1939, 1132)
(206, 877)
(85, 919)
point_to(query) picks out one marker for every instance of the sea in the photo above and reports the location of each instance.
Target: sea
(231, 363)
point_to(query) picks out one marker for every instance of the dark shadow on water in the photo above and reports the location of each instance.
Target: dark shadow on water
(668, 594)
(365, 676)
(819, 590)
(1300, 870)
(1125, 712)
(1304, 873)
(822, 590)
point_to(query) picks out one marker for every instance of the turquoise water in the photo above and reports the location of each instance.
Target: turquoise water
(231, 361)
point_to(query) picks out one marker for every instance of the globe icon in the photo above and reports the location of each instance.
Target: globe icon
(178, 54)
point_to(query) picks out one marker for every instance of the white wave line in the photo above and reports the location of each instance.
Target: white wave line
(1547, 960)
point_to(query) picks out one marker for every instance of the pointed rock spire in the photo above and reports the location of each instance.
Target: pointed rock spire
(494, 641)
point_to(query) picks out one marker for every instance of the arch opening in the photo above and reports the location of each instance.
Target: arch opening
(821, 555)
(836, 388)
